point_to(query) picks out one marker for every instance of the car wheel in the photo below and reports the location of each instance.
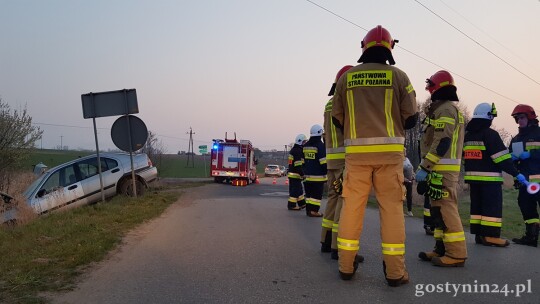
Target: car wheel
(127, 187)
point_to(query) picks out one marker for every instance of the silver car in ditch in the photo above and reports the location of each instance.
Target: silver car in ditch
(76, 183)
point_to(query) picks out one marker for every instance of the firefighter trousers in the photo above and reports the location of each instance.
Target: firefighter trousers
(387, 181)
(314, 192)
(330, 220)
(408, 195)
(428, 223)
(486, 209)
(445, 216)
(528, 204)
(296, 193)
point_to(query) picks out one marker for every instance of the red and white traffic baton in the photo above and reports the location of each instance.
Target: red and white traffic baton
(533, 188)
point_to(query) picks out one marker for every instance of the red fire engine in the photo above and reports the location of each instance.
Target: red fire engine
(233, 161)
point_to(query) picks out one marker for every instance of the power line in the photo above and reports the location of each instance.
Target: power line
(478, 43)
(481, 30)
(345, 19)
(66, 126)
(82, 127)
(419, 56)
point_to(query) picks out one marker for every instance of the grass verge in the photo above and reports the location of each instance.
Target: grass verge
(48, 254)
(513, 225)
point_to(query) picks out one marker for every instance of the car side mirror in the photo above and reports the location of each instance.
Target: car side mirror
(41, 193)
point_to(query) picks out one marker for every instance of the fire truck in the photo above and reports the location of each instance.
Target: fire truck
(233, 161)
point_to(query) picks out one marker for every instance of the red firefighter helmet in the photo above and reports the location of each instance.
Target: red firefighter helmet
(342, 71)
(339, 74)
(378, 36)
(524, 109)
(438, 80)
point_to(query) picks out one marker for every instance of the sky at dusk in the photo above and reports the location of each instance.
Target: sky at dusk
(261, 69)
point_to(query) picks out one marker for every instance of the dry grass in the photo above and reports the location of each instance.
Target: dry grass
(18, 183)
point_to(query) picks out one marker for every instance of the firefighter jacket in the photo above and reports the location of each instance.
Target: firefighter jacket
(333, 140)
(315, 160)
(296, 161)
(442, 142)
(485, 155)
(371, 103)
(530, 137)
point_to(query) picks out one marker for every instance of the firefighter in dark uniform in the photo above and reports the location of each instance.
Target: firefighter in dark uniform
(374, 103)
(296, 175)
(441, 147)
(486, 157)
(335, 161)
(314, 170)
(525, 149)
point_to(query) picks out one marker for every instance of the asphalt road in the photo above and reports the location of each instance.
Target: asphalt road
(225, 244)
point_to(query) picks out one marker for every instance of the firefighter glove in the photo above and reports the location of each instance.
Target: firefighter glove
(522, 179)
(422, 188)
(525, 155)
(435, 192)
(421, 174)
(435, 189)
(338, 184)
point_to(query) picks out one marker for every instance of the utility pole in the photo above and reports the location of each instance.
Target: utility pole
(285, 156)
(190, 152)
(61, 145)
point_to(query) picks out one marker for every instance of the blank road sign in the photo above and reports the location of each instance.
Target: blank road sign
(112, 103)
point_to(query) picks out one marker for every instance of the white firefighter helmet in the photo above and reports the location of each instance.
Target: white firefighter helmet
(316, 130)
(300, 139)
(485, 111)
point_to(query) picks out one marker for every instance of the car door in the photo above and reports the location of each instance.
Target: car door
(110, 172)
(62, 188)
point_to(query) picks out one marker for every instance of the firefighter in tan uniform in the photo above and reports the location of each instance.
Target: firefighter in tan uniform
(374, 103)
(441, 147)
(335, 162)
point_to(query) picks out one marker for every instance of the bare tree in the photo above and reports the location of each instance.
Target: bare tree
(17, 140)
(505, 135)
(154, 149)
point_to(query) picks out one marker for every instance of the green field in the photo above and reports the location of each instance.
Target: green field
(177, 166)
(169, 165)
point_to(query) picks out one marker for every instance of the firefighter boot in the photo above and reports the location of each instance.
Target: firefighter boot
(478, 239)
(446, 261)
(326, 246)
(495, 241)
(335, 256)
(531, 236)
(438, 251)
(348, 276)
(396, 282)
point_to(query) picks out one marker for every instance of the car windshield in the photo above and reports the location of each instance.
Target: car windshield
(272, 167)
(33, 186)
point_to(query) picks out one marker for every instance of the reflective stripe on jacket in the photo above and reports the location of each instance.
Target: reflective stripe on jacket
(333, 140)
(296, 161)
(529, 137)
(485, 155)
(372, 102)
(443, 121)
(315, 160)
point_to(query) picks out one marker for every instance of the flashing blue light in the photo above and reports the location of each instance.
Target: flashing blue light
(215, 146)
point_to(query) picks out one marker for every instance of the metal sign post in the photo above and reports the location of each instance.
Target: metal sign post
(121, 102)
(134, 184)
(97, 152)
